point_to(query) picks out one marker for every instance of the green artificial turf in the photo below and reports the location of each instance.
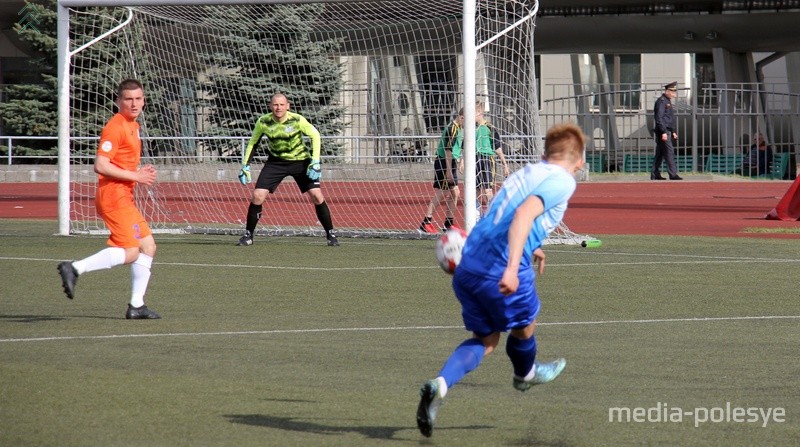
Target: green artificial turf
(293, 343)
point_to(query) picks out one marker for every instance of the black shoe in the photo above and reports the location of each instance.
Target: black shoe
(332, 241)
(245, 240)
(429, 403)
(68, 278)
(140, 313)
(653, 177)
(675, 177)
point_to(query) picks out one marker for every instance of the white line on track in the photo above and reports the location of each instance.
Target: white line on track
(384, 329)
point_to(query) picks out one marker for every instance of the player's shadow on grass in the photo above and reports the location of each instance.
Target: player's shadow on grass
(216, 242)
(30, 318)
(43, 318)
(306, 426)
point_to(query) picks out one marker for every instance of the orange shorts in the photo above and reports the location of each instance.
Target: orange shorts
(127, 227)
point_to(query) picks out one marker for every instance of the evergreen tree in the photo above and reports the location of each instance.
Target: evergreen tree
(274, 54)
(31, 109)
(96, 72)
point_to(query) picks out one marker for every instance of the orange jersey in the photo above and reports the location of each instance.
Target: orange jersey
(120, 142)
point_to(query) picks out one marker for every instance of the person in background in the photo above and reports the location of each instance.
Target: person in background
(488, 147)
(665, 133)
(446, 166)
(758, 160)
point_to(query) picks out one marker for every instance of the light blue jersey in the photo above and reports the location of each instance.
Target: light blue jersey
(486, 250)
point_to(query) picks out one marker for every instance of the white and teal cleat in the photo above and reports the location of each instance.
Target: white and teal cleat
(545, 372)
(431, 397)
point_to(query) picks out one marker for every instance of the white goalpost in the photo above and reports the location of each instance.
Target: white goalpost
(380, 79)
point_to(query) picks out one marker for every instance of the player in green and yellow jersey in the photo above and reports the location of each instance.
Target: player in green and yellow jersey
(287, 156)
(445, 175)
(487, 146)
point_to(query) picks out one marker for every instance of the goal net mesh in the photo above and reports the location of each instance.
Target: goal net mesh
(379, 79)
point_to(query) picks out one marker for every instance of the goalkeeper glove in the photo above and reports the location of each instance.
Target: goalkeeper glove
(314, 172)
(244, 175)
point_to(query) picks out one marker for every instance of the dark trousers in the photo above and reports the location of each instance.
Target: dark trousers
(664, 151)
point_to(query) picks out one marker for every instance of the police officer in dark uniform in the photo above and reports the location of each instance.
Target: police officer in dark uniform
(665, 133)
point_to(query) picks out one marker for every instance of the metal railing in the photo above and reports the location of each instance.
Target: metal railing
(358, 150)
(714, 119)
(10, 157)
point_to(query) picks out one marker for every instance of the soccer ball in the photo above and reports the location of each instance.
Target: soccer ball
(448, 249)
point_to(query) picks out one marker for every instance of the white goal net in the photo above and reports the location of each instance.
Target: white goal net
(379, 79)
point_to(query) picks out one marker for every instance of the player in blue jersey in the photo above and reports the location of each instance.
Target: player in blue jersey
(495, 280)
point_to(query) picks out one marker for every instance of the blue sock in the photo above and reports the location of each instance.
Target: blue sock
(522, 354)
(466, 357)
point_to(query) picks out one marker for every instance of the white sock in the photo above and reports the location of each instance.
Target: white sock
(140, 277)
(531, 374)
(103, 259)
(442, 386)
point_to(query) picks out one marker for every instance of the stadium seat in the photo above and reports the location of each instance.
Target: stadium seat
(779, 169)
(596, 162)
(684, 163)
(644, 163)
(637, 163)
(723, 163)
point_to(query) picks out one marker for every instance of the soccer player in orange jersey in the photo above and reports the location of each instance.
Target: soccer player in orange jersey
(118, 172)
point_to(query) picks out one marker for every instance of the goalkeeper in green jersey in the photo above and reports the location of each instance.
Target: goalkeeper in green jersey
(288, 156)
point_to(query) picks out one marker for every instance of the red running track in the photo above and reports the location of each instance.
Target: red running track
(723, 209)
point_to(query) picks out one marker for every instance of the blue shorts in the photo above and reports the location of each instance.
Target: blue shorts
(485, 310)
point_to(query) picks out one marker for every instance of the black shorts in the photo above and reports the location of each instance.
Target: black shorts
(275, 170)
(484, 169)
(439, 177)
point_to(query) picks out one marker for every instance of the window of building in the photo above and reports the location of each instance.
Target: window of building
(625, 76)
(704, 72)
(403, 104)
(437, 77)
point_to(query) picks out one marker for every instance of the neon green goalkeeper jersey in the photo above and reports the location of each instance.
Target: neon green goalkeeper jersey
(285, 139)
